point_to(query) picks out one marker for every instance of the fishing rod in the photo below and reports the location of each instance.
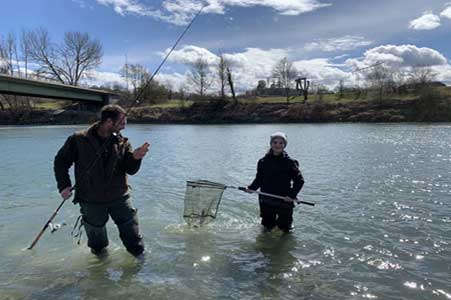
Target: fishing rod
(368, 67)
(104, 145)
(296, 200)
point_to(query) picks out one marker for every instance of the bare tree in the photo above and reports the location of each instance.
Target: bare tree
(182, 96)
(25, 49)
(340, 89)
(135, 74)
(230, 80)
(9, 57)
(10, 64)
(320, 91)
(44, 54)
(3, 65)
(222, 75)
(67, 62)
(378, 79)
(421, 75)
(79, 54)
(4, 60)
(200, 76)
(16, 106)
(144, 89)
(286, 73)
(399, 81)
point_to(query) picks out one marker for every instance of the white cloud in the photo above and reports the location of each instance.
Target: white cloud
(123, 7)
(399, 56)
(340, 56)
(255, 64)
(446, 13)
(283, 7)
(189, 54)
(174, 81)
(180, 12)
(347, 42)
(99, 78)
(247, 67)
(3, 63)
(427, 21)
(443, 73)
(402, 58)
(320, 70)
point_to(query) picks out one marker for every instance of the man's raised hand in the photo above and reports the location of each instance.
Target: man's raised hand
(140, 152)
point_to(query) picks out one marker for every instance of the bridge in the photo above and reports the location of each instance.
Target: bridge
(35, 88)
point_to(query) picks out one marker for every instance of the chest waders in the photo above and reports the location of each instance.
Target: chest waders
(124, 215)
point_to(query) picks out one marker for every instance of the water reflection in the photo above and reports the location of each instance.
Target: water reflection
(276, 248)
(109, 275)
(281, 273)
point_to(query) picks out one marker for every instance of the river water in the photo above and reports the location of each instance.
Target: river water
(381, 227)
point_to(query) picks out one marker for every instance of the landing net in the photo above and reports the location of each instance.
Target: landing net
(202, 200)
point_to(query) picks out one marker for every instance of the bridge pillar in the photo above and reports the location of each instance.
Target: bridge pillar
(106, 99)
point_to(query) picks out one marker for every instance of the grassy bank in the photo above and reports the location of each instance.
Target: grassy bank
(428, 106)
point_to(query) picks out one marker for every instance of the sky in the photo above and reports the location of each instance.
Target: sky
(327, 40)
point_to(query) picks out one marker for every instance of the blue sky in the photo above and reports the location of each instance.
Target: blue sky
(326, 39)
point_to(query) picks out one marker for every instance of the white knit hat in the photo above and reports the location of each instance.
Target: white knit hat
(279, 134)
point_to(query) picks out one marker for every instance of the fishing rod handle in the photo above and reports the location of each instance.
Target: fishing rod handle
(307, 203)
(46, 225)
(277, 196)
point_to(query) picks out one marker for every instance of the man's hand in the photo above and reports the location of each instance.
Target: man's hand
(140, 152)
(66, 193)
(248, 190)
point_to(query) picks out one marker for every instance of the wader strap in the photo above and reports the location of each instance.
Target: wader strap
(76, 232)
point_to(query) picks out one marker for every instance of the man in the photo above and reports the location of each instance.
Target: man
(102, 159)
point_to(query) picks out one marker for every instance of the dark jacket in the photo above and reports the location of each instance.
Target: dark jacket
(279, 175)
(107, 180)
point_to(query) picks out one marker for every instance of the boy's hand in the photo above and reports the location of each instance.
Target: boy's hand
(248, 190)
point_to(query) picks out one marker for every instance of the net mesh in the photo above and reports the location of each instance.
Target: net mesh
(202, 200)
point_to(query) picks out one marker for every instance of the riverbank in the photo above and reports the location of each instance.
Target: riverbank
(46, 117)
(226, 112)
(221, 112)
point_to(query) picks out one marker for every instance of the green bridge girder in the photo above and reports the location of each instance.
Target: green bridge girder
(35, 88)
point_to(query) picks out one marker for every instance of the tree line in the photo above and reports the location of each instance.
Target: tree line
(32, 54)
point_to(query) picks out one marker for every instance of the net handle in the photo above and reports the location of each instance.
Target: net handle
(241, 188)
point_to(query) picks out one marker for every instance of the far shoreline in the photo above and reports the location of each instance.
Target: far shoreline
(217, 112)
